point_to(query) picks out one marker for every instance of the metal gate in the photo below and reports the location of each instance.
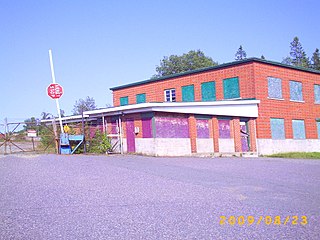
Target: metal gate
(27, 137)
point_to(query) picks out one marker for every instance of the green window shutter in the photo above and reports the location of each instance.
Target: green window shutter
(277, 128)
(124, 101)
(188, 93)
(299, 131)
(208, 91)
(141, 98)
(231, 88)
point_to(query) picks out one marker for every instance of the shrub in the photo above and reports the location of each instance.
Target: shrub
(100, 143)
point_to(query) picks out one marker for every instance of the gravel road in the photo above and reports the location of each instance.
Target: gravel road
(137, 197)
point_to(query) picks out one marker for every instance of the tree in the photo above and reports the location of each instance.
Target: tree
(240, 54)
(287, 60)
(28, 123)
(45, 115)
(84, 105)
(62, 113)
(297, 54)
(186, 62)
(315, 60)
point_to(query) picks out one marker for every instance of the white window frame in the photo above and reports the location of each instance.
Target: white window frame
(171, 95)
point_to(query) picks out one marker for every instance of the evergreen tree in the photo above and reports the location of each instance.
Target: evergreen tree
(287, 60)
(297, 54)
(315, 60)
(240, 54)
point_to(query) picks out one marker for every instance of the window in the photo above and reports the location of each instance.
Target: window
(147, 127)
(295, 91)
(298, 129)
(277, 128)
(208, 91)
(170, 95)
(172, 127)
(274, 88)
(317, 93)
(231, 88)
(187, 93)
(114, 125)
(124, 101)
(141, 98)
(224, 128)
(202, 128)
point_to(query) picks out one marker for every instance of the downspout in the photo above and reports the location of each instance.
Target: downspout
(103, 125)
(255, 135)
(120, 133)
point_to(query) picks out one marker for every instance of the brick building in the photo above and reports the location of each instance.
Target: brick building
(252, 105)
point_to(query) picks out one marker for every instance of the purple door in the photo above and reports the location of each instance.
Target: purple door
(244, 136)
(131, 144)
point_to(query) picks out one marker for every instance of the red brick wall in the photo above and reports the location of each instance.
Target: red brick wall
(252, 135)
(286, 109)
(215, 127)
(253, 84)
(155, 90)
(193, 133)
(235, 128)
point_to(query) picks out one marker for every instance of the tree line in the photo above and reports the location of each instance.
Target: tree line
(192, 60)
(196, 59)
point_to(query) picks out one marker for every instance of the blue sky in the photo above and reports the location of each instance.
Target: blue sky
(99, 44)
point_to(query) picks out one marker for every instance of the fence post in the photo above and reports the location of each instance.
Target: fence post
(56, 139)
(84, 134)
(6, 134)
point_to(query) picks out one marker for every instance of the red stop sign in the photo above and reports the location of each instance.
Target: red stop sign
(54, 90)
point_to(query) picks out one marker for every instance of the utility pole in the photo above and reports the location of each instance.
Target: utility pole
(83, 132)
(6, 130)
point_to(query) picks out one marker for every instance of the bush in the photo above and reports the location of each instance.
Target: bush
(100, 143)
(47, 138)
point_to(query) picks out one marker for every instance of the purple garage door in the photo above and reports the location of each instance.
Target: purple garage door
(131, 144)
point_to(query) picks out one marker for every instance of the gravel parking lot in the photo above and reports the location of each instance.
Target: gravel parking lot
(136, 197)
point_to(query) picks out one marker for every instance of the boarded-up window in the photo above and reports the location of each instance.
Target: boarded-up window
(203, 128)
(147, 128)
(298, 129)
(295, 91)
(141, 98)
(231, 88)
(317, 93)
(114, 126)
(124, 101)
(224, 128)
(171, 127)
(277, 128)
(274, 88)
(187, 93)
(208, 91)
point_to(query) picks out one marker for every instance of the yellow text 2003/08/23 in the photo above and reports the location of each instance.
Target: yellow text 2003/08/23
(266, 220)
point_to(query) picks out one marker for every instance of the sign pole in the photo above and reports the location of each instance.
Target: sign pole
(54, 81)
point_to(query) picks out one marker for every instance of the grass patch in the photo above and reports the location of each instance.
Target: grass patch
(303, 155)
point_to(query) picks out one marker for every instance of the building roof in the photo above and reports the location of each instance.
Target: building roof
(239, 108)
(220, 66)
(68, 119)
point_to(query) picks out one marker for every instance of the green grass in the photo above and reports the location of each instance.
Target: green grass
(304, 155)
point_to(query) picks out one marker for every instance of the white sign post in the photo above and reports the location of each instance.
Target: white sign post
(54, 82)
